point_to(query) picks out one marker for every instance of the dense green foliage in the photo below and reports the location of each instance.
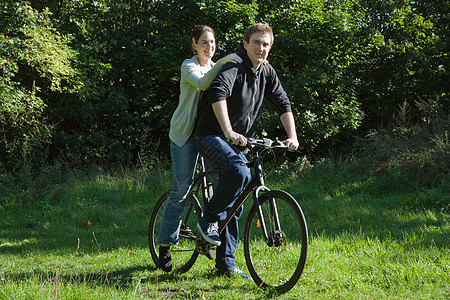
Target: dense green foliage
(98, 80)
(34, 64)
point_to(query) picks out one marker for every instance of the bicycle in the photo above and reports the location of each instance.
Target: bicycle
(275, 232)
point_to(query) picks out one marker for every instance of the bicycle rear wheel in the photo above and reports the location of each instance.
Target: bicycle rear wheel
(279, 262)
(183, 254)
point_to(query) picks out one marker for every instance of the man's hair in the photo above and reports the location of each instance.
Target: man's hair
(258, 27)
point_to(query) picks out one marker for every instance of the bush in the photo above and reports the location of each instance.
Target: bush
(418, 153)
(108, 75)
(34, 61)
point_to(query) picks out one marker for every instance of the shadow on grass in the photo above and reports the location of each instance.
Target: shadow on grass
(163, 285)
(23, 242)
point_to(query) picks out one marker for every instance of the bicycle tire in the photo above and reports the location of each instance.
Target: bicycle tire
(276, 267)
(183, 254)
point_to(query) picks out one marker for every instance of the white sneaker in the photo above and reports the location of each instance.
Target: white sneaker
(237, 272)
(209, 231)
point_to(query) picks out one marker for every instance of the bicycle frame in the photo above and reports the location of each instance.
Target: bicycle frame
(200, 182)
(255, 186)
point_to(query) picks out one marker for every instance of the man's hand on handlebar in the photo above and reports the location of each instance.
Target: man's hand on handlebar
(291, 143)
(240, 140)
(236, 138)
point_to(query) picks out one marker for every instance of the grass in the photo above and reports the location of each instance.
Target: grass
(370, 238)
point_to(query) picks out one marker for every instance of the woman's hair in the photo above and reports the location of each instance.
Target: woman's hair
(198, 31)
(258, 27)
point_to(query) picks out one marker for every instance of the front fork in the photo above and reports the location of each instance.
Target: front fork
(274, 237)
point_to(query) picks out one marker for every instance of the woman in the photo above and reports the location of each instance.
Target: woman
(197, 74)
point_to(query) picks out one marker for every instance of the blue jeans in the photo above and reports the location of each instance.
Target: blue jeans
(184, 160)
(233, 176)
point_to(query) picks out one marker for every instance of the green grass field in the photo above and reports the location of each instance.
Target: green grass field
(83, 235)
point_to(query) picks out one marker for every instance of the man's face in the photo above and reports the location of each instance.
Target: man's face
(258, 47)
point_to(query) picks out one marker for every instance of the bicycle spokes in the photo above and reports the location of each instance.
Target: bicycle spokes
(183, 254)
(275, 260)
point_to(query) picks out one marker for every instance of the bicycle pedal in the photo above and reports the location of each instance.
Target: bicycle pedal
(186, 231)
(185, 228)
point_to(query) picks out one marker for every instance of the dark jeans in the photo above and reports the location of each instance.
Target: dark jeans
(233, 176)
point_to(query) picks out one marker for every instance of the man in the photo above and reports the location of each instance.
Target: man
(235, 97)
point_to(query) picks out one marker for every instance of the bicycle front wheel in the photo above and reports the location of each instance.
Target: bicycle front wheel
(183, 254)
(277, 262)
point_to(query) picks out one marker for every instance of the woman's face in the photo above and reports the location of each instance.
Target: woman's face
(205, 46)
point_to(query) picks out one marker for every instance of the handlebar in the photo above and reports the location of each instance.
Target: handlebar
(268, 144)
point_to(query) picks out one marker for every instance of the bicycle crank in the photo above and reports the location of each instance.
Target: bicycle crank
(204, 248)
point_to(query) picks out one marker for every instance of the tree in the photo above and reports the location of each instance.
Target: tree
(34, 60)
(112, 82)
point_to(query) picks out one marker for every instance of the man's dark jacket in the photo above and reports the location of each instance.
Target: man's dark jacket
(244, 90)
